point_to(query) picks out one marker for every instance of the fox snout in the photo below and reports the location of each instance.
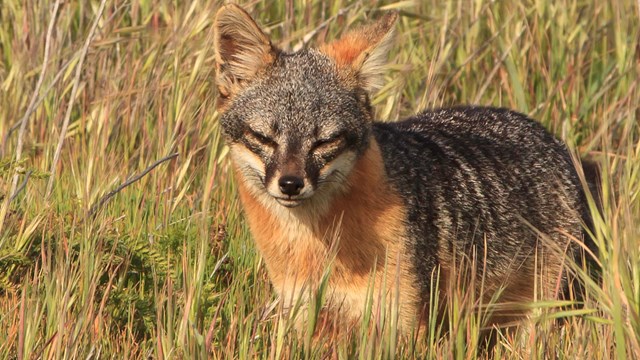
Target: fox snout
(290, 189)
(290, 179)
(289, 185)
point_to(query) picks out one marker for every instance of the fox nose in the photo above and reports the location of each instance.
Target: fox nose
(290, 185)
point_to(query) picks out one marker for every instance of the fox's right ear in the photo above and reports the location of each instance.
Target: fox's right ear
(241, 50)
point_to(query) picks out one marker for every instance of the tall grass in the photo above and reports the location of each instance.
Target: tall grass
(166, 268)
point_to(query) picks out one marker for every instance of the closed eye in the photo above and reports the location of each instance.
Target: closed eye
(332, 143)
(256, 137)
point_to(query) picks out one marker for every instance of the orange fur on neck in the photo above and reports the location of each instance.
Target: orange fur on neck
(362, 234)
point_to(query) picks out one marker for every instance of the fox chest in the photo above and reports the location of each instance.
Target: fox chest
(363, 256)
(298, 256)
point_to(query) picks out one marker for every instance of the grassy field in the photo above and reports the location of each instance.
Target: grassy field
(97, 262)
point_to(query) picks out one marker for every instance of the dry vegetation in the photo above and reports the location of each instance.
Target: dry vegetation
(165, 266)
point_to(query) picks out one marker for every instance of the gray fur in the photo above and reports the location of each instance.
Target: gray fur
(297, 102)
(474, 180)
(472, 175)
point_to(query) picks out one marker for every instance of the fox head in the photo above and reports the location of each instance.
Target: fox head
(296, 123)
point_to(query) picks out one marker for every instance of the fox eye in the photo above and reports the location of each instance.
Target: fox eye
(259, 138)
(330, 144)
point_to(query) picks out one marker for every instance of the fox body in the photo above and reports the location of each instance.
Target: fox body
(387, 206)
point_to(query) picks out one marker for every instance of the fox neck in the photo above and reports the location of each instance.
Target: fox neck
(356, 230)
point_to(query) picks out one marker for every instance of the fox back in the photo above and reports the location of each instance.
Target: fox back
(325, 185)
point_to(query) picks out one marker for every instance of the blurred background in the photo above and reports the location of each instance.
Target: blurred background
(120, 230)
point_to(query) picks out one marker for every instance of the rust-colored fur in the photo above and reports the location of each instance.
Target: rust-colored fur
(363, 226)
(362, 234)
(354, 44)
(388, 206)
(360, 54)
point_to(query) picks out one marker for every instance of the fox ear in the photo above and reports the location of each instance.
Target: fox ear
(363, 51)
(241, 50)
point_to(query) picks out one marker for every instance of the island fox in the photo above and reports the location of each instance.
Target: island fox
(325, 185)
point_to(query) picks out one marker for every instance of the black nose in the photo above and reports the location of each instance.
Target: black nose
(290, 185)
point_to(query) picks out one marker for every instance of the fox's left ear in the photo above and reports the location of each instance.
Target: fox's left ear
(362, 52)
(241, 50)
